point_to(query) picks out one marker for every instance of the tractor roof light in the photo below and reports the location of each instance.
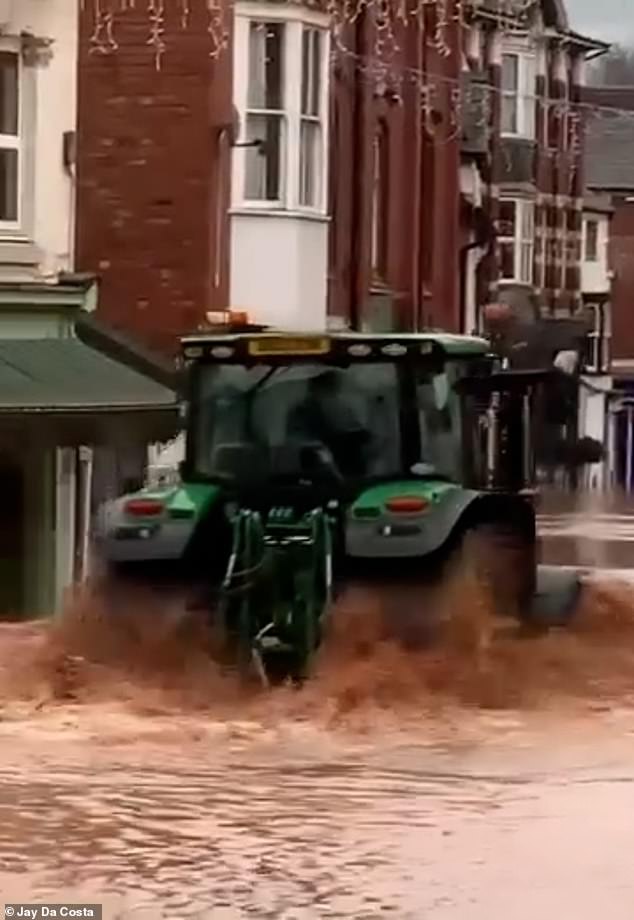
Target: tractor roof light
(406, 504)
(144, 507)
(227, 318)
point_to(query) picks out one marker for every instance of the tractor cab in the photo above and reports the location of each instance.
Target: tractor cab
(272, 413)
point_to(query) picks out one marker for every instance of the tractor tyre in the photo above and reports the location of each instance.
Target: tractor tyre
(502, 560)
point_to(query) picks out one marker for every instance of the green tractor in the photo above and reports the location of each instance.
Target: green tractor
(315, 459)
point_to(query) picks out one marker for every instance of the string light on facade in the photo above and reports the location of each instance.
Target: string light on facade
(386, 19)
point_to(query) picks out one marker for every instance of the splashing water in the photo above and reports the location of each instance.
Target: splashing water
(154, 659)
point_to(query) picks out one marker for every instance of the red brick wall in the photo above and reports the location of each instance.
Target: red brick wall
(153, 175)
(622, 264)
(422, 258)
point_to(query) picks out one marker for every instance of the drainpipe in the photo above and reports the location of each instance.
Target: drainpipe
(358, 186)
(418, 194)
(483, 240)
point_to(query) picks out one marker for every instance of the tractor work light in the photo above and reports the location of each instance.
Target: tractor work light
(227, 318)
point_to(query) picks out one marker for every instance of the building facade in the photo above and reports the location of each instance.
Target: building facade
(596, 396)
(610, 177)
(155, 136)
(392, 167)
(396, 125)
(59, 396)
(307, 174)
(533, 66)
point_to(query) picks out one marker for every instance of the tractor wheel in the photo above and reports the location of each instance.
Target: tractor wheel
(502, 561)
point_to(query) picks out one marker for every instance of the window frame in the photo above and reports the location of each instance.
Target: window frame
(12, 228)
(524, 94)
(295, 22)
(599, 339)
(522, 242)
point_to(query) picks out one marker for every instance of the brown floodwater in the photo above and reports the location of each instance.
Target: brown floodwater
(487, 776)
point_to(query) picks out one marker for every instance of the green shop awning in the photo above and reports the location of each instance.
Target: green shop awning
(65, 376)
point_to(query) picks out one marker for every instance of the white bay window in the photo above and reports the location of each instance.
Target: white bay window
(516, 240)
(280, 91)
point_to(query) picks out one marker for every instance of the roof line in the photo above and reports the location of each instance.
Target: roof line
(78, 409)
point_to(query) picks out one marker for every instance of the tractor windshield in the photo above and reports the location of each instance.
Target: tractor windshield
(314, 420)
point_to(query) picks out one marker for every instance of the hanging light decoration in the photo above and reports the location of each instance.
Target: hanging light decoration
(386, 21)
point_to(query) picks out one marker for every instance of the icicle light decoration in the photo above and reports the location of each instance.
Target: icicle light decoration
(388, 18)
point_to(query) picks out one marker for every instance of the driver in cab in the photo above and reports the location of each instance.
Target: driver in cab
(326, 417)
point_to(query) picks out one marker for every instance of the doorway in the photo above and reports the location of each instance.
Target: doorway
(11, 538)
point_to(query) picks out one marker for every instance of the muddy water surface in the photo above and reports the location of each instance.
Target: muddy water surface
(489, 777)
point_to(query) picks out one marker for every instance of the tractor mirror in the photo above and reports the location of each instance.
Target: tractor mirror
(441, 391)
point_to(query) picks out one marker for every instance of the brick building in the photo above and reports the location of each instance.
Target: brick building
(153, 165)
(610, 172)
(320, 170)
(394, 245)
(610, 175)
(533, 65)
(179, 175)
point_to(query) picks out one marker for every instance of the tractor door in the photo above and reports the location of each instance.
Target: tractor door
(497, 424)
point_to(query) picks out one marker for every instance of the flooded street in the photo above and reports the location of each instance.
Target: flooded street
(397, 785)
(231, 823)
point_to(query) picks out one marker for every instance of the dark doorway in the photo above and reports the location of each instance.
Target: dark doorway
(11, 539)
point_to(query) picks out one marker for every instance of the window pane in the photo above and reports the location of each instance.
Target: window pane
(528, 223)
(506, 222)
(507, 260)
(526, 263)
(591, 241)
(263, 164)
(8, 93)
(528, 98)
(266, 48)
(509, 115)
(311, 71)
(8, 185)
(310, 164)
(510, 72)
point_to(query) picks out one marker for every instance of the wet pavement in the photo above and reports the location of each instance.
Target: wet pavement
(502, 788)
(592, 533)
